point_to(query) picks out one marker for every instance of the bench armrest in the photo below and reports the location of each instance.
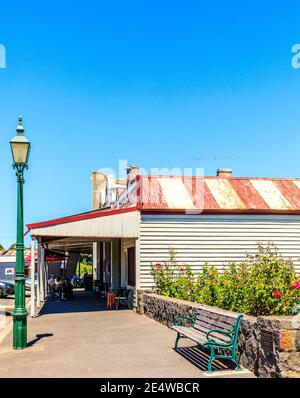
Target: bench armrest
(177, 319)
(212, 341)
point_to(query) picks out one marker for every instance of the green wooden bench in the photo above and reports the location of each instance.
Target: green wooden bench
(211, 327)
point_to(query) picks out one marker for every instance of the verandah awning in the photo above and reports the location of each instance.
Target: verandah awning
(93, 225)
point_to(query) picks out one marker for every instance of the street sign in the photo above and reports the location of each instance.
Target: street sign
(9, 271)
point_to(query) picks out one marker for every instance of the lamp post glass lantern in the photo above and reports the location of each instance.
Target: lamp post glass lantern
(20, 147)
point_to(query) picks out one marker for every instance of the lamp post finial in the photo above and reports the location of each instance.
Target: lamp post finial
(20, 129)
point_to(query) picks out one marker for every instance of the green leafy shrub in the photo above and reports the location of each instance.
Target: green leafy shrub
(172, 279)
(264, 284)
(206, 286)
(232, 288)
(270, 273)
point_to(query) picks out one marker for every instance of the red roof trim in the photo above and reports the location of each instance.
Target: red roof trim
(81, 217)
(85, 239)
(220, 211)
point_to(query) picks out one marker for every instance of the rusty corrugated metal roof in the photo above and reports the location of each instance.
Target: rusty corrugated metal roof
(13, 252)
(218, 194)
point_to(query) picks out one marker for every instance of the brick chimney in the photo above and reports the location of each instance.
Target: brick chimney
(224, 173)
(134, 169)
(132, 172)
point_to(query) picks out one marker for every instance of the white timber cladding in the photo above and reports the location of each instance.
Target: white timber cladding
(217, 240)
(110, 226)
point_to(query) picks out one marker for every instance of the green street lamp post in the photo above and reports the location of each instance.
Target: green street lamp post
(20, 147)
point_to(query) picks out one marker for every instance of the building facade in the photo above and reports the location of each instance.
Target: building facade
(8, 264)
(206, 220)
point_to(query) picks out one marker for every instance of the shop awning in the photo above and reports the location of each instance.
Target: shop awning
(85, 228)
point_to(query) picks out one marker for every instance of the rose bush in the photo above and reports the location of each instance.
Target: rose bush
(173, 280)
(264, 284)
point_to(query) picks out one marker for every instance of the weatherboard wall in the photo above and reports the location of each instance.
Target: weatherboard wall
(217, 240)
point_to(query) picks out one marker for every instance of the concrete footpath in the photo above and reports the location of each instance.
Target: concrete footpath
(79, 338)
(6, 308)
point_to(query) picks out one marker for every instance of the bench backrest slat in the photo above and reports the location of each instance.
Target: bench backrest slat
(216, 315)
(219, 311)
(208, 318)
(214, 323)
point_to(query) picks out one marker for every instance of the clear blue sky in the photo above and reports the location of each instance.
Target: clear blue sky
(159, 83)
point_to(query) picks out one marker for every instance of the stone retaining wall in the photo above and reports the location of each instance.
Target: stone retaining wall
(268, 346)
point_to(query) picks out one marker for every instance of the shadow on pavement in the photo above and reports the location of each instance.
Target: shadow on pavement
(82, 301)
(199, 358)
(38, 338)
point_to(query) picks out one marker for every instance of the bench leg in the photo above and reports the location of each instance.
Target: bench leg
(237, 362)
(235, 359)
(177, 340)
(211, 359)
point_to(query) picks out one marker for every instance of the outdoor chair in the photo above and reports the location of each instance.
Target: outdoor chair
(122, 298)
(110, 300)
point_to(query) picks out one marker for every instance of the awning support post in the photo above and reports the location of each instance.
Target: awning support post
(95, 260)
(32, 275)
(38, 287)
(42, 274)
(45, 277)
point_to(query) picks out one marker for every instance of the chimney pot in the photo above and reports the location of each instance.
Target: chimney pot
(132, 172)
(224, 172)
(134, 169)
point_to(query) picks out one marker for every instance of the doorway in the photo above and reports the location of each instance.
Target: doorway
(131, 267)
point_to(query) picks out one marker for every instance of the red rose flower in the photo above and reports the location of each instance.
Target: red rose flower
(157, 265)
(276, 294)
(295, 285)
(182, 269)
